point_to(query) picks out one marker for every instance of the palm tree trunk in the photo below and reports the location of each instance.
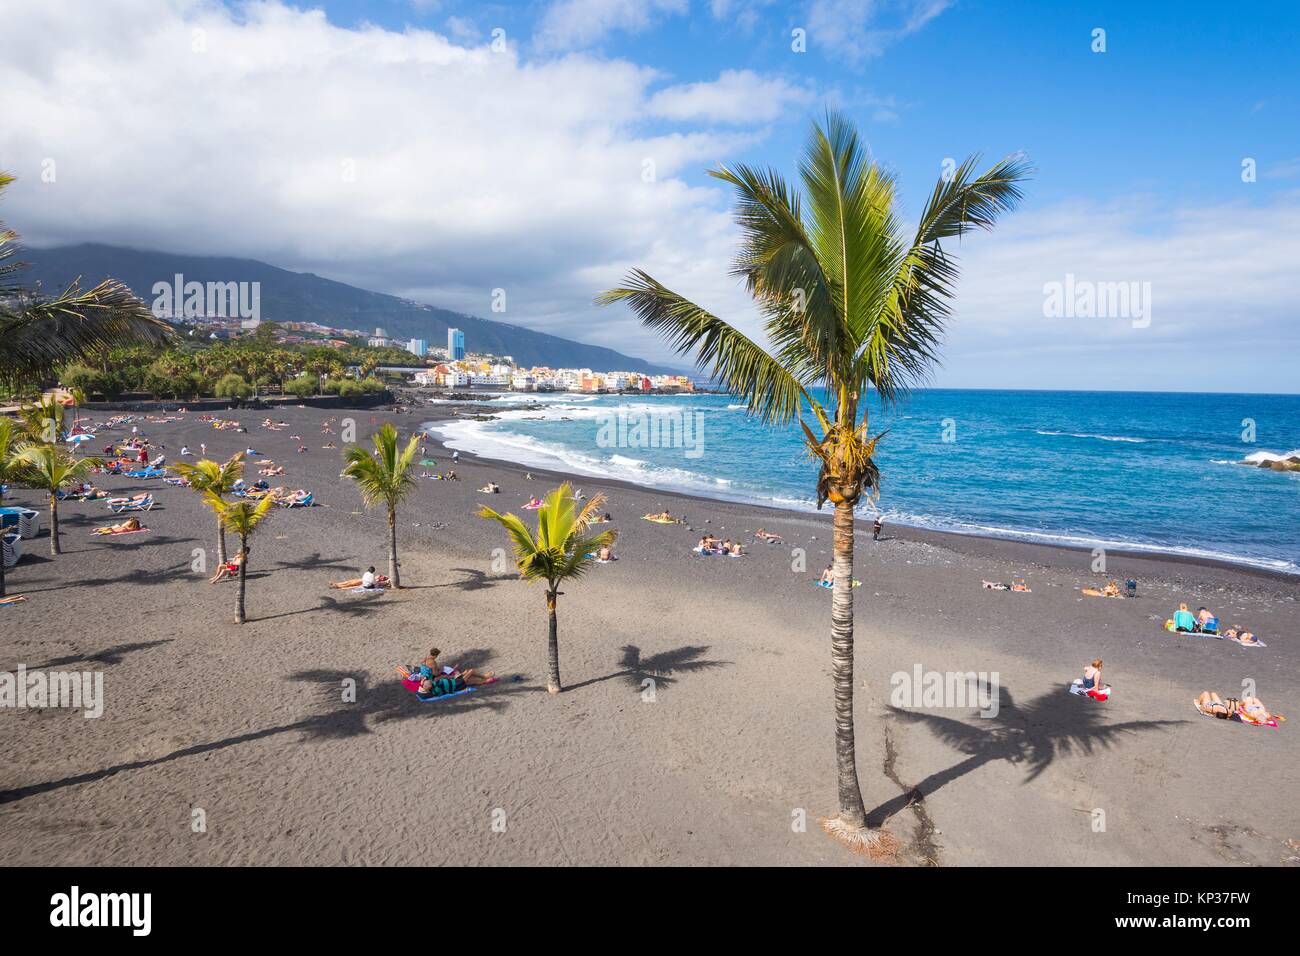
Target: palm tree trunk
(221, 542)
(552, 647)
(243, 567)
(2, 565)
(54, 524)
(852, 812)
(392, 548)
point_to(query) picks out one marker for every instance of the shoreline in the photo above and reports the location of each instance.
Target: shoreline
(1004, 543)
(703, 771)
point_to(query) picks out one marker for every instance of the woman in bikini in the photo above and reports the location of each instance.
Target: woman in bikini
(1210, 703)
(230, 568)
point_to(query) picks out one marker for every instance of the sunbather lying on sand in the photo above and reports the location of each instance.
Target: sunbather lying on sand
(230, 568)
(1249, 710)
(1111, 590)
(1211, 704)
(1241, 635)
(663, 517)
(125, 527)
(11, 599)
(769, 536)
(270, 472)
(370, 581)
(491, 488)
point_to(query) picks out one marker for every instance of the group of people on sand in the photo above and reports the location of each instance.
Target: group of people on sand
(711, 545)
(1249, 710)
(429, 679)
(1204, 621)
(369, 580)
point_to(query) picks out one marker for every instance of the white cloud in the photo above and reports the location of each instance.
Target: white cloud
(863, 29)
(572, 24)
(1221, 287)
(401, 162)
(737, 96)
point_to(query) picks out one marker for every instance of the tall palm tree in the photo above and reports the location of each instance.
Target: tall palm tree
(9, 471)
(46, 466)
(243, 517)
(39, 335)
(850, 303)
(209, 477)
(384, 478)
(561, 550)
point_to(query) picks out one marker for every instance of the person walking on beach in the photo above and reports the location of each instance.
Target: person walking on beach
(876, 529)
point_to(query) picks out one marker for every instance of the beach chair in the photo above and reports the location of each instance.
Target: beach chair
(23, 520)
(143, 504)
(11, 549)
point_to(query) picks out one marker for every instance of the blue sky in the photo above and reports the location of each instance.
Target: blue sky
(1183, 92)
(470, 168)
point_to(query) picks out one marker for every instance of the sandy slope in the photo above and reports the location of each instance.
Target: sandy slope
(250, 724)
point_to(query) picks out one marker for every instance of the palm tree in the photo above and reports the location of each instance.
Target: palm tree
(850, 303)
(9, 471)
(561, 550)
(384, 477)
(46, 466)
(208, 477)
(243, 517)
(39, 335)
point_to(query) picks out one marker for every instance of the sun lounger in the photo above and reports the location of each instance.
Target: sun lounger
(140, 504)
(12, 548)
(24, 520)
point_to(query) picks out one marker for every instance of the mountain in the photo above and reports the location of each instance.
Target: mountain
(304, 297)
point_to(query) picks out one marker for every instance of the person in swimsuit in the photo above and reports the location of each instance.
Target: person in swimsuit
(1092, 678)
(1210, 703)
(1254, 708)
(230, 568)
(828, 576)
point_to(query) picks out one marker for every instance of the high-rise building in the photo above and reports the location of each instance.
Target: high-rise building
(455, 345)
(418, 347)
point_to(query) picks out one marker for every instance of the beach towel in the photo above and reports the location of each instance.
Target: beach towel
(1237, 640)
(11, 600)
(1076, 688)
(413, 685)
(823, 584)
(1169, 626)
(531, 507)
(104, 533)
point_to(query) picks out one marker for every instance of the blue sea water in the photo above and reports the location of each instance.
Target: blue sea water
(1152, 471)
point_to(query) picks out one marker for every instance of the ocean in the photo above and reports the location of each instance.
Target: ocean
(1134, 470)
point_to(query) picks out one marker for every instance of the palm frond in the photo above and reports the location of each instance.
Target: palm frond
(769, 390)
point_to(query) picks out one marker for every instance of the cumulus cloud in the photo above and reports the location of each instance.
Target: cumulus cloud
(1221, 286)
(404, 162)
(572, 24)
(737, 96)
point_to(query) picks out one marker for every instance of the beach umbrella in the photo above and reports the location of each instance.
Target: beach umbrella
(78, 439)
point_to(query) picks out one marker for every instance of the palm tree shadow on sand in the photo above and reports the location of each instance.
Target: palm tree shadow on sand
(661, 668)
(335, 719)
(1033, 735)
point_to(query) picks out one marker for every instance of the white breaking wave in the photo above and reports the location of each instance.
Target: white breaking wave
(1125, 438)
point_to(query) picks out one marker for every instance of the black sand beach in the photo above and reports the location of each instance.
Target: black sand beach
(696, 724)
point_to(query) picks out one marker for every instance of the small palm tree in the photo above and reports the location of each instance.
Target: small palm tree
(9, 471)
(851, 305)
(384, 477)
(208, 477)
(561, 550)
(243, 517)
(48, 467)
